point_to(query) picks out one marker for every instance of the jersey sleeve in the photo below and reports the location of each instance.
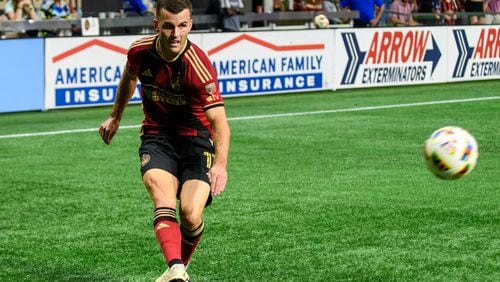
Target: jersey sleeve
(135, 52)
(133, 65)
(204, 78)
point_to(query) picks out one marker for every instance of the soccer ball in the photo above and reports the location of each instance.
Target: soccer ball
(451, 152)
(321, 21)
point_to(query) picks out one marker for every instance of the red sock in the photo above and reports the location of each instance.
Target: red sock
(168, 234)
(190, 240)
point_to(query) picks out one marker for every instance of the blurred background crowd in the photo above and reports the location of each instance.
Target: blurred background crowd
(372, 12)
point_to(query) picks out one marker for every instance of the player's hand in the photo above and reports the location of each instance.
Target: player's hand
(218, 178)
(108, 129)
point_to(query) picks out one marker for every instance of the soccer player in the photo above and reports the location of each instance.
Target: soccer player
(184, 135)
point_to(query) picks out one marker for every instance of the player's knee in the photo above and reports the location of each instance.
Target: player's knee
(151, 181)
(162, 188)
(190, 217)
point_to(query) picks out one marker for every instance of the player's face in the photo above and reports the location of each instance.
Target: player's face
(173, 29)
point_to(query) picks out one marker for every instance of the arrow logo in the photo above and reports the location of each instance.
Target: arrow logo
(433, 55)
(464, 53)
(355, 58)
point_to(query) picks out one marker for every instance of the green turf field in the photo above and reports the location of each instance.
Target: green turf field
(337, 191)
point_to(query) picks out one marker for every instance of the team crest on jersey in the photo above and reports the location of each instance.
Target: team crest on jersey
(176, 83)
(210, 88)
(145, 158)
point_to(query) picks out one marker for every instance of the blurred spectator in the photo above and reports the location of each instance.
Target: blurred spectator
(366, 8)
(475, 6)
(415, 7)
(449, 9)
(461, 5)
(3, 17)
(462, 17)
(17, 10)
(231, 11)
(55, 9)
(384, 19)
(207, 7)
(313, 5)
(300, 5)
(401, 13)
(493, 12)
(332, 6)
(431, 6)
(75, 7)
(138, 7)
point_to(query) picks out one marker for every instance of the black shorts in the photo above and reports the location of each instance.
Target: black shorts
(186, 157)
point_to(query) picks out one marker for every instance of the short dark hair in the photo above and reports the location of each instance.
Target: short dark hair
(174, 6)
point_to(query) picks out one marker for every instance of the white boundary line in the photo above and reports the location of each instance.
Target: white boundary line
(406, 105)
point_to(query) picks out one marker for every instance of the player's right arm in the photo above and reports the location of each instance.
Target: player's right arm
(126, 89)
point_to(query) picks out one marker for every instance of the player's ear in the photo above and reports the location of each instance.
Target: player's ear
(155, 25)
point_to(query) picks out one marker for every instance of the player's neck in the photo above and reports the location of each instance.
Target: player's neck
(164, 52)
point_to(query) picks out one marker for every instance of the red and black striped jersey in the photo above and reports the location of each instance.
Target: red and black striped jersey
(175, 94)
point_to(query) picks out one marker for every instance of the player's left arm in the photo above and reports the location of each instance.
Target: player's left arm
(221, 137)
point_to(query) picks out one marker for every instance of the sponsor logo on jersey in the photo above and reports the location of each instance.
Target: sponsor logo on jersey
(147, 73)
(176, 83)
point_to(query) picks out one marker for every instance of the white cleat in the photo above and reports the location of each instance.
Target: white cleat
(175, 273)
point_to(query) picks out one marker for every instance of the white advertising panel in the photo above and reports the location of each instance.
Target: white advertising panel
(389, 57)
(474, 53)
(271, 62)
(84, 71)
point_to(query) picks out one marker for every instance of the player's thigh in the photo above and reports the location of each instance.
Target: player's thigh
(193, 198)
(162, 187)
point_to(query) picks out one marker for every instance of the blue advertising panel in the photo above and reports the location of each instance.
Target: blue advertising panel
(21, 75)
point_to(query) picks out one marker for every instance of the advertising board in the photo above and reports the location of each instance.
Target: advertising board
(271, 62)
(21, 75)
(474, 53)
(389, 57)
